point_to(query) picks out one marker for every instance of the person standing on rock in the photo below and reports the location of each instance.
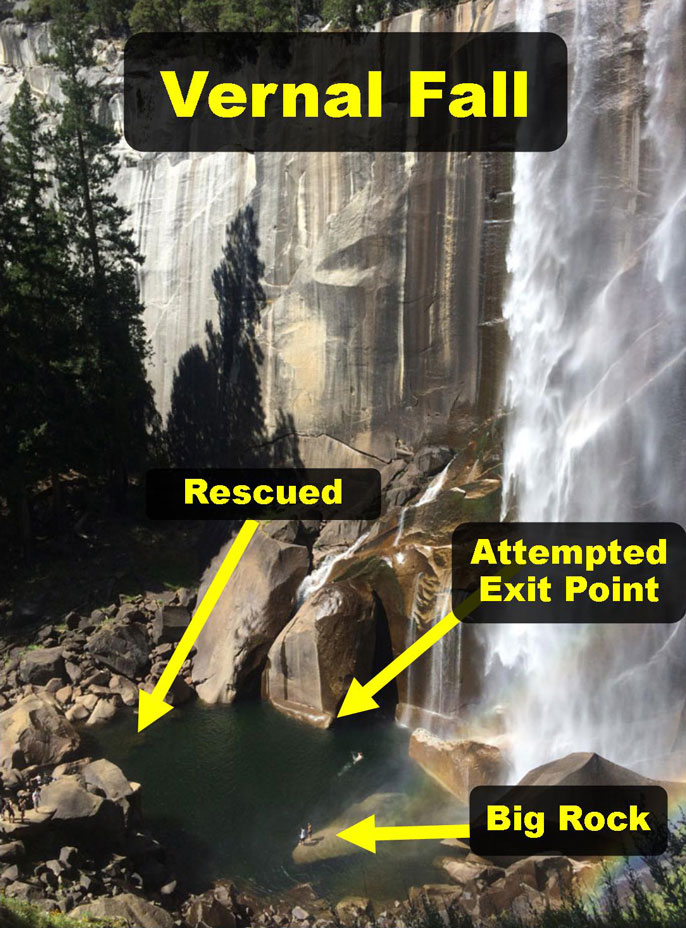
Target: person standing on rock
(303, 835)
(21, 806)
(309, 830)
(11, 814)
(35, 797)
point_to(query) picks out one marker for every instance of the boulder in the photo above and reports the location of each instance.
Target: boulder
(24, 892)
(89, 701)
(41, 665)
(33, 732)
(11, 850)
(122, 648)
(125, 689)
(131, 612)
(251, 611)
(11, 779)
(430, 460)
(104, 710)
(352, 909)
(63, 695)
(73, 671)
(461, 871)
(583, 769)
(208, 912)
(186, 598)
(77, 713)
(552, 874)
(169, 623)
(130, 909)
(439, 896)
(98, 677)
(459, 766)
(69, 857)
(329, 641)
(71, 620)
(511, 895)
(105, 777)
(180, 692)
(283, 530)
(51, 687)
(75, 812)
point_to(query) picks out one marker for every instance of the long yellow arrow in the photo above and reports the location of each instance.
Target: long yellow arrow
(366, 833)
(151, 706)
(360, 698)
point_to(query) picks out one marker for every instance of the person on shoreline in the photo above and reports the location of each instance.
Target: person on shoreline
(309, 830)
(35, 797)
(303, 835)
(21, 806)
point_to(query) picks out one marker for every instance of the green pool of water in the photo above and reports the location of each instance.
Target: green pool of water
(227, 789)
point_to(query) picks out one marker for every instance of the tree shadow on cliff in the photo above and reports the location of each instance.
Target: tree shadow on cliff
(284, 447)
(216, 417)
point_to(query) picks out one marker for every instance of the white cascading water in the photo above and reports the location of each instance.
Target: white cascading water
(316, 580)
(596, 384)
(433, 683)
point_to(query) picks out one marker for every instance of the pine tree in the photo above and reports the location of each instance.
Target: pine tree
(157, 16)
(342, 13)
(39, 330)
(203, 15)
(12, 363)
(258, 15)
(118, 399)
(110, 16)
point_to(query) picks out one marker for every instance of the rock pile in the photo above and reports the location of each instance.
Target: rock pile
(86, 668)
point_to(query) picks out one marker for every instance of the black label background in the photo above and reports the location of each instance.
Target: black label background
(165, 493)
(150, 123)
(548, 799)
(672, 577)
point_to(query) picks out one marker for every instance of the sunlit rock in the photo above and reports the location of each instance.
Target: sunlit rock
(459, 766)
(329, 641)
(253, 608)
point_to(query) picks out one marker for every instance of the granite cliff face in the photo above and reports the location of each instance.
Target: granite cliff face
(384, 273)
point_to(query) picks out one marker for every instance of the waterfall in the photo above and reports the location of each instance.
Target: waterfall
(596, 379)
(433, 698)
(434, 487)
(316, 580)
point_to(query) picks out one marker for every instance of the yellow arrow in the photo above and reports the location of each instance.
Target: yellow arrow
(151, 706)
(360, 698)
(366, 833)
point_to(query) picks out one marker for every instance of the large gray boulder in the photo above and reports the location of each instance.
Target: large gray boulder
(42, 664)
(121, 647)
(255, 605)
(583, 768)
(33, 732)
(130, 909)
(458, 765)
(329, 641)
(169, 623)
(107, 779)
(75, 813)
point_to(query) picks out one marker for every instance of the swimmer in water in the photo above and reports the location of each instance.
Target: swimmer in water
(358, 757)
